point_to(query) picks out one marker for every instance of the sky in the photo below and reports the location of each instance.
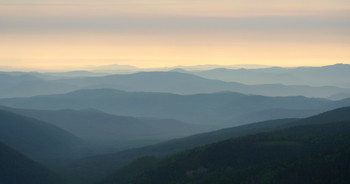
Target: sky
(71, 34)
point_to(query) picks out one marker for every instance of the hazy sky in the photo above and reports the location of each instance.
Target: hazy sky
(62, 34)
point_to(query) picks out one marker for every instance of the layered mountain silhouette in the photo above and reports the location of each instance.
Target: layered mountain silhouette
(279, 157)
(147, 127)
(214, 109)
(169, 82)
(182, 83)
(105, 164)
(332, 75)
(25, 85)
(99, 126)
(319, 143)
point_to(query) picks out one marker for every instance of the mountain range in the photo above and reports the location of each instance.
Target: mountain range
(23, 85)
(96, 125)
(320, 143)
(331, 75)
(30, 84)
(279, 157)
(106, 164)
(213, 109)
(183, 83)
(198, 125)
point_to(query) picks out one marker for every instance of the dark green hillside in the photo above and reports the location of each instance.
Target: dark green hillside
(92, 169)
(241, 157)
(105, 164)
(109, 162)
(18, 169)
(35, 139)
(331, 166)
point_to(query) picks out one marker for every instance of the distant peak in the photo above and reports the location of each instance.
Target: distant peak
(221, 69)
(178, 70)
(337, 65)
(95, 91)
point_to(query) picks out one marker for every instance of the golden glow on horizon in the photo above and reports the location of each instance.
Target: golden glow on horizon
(54, 34)
(148, 53)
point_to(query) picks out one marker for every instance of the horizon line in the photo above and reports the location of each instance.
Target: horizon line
(133, 68)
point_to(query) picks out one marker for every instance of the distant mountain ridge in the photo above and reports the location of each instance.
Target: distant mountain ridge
(25, 85)
(100, 126)
(169, 82)
(214, 109)
(332, 75)
(184, 83)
